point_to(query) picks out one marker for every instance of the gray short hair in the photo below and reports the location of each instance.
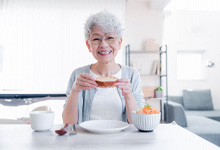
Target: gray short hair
(106, 21)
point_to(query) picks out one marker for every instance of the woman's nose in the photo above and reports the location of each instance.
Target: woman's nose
(104, 43)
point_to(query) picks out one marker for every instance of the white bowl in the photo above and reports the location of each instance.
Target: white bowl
(145, 122)
(41, 120)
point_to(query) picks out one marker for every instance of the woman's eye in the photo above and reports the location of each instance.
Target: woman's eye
(96, 39)
(110, 38)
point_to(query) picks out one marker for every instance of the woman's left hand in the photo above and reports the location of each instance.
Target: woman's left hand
(125, 86)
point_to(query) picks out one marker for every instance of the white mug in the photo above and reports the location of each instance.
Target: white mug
(41, 120)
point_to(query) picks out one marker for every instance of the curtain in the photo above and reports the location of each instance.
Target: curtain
(42, 41)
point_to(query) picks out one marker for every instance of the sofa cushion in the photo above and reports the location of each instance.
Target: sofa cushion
(212, 114)
(197, 100)
(204, 127)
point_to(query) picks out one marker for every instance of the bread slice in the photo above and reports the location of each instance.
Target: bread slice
(106, 82)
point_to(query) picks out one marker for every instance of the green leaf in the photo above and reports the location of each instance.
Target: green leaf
(147, 106)
(159, 89)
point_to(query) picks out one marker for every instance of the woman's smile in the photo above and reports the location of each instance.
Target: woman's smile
(104, 53)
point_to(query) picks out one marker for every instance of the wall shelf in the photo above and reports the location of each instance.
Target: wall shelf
(150, 98)
(147, 52)
(162, 51)
(153, 75)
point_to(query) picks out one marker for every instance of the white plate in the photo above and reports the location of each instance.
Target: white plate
(104, 126)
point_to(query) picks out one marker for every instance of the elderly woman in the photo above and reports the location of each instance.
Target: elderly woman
(85, 101)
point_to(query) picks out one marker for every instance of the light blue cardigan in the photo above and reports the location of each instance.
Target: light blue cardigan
(86, 96)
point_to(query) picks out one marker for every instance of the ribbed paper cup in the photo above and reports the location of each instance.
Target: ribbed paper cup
(145, 122)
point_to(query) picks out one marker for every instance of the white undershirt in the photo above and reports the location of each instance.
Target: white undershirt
(107, 104)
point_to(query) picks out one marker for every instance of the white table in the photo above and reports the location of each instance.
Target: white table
(165, 137)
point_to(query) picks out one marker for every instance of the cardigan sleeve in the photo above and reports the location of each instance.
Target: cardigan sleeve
(69, 87)
(137, 88)
(72, 80)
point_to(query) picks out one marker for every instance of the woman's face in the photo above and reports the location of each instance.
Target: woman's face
(103, 46)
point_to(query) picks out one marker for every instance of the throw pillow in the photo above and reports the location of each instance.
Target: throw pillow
(197, 100)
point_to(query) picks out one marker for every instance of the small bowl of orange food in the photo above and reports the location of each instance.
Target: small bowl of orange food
(146, 119)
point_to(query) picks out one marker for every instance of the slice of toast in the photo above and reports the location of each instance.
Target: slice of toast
(106, 82)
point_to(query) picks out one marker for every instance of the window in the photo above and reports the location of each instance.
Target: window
(43, 41)
(190, 65)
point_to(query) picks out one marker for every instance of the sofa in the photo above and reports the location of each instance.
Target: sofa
(195, 112)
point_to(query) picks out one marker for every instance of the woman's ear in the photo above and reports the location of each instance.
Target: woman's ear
(88, 46)
(120, 43)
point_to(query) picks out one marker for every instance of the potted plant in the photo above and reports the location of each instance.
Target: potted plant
(159, 92)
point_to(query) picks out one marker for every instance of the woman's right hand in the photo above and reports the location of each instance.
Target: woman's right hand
(84, 82)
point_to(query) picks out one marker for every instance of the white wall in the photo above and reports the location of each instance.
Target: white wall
(194, 30)
(143, 23)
